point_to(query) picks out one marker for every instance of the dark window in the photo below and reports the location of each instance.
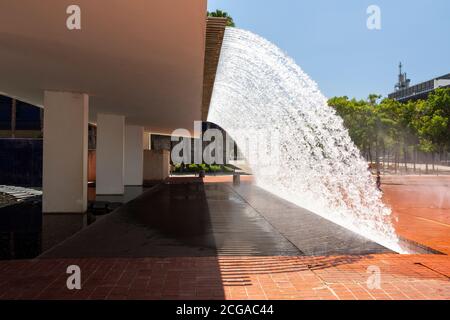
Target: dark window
(28, 117)
(5, 113)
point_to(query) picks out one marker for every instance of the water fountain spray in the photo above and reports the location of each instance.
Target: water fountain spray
(308, 158)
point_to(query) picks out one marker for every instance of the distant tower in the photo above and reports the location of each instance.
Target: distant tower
(403, 81)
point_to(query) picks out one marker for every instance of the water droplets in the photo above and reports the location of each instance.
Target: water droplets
(318, 167)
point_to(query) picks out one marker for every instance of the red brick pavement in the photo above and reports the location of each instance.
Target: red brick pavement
(344, 277)
(402, 277)
(421, 208)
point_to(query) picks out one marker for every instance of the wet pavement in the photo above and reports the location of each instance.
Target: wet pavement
(187, 218)
(57, 227)
(131, 193)
(421, 209)
(204, 219)
(312, 234)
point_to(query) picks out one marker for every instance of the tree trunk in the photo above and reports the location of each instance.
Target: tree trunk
(439, 162)
(415, 158)
(388, 160)
(432, 162)
(405, 157)
(395, 160)
(377, 155)
(446, 157)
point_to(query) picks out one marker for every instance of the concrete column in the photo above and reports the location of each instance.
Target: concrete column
(110, 154)
(134, 156)
(156, 165)
(65, 152)
(147, 142)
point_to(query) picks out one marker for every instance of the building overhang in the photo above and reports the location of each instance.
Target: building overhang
(141, 59)
(215, 31)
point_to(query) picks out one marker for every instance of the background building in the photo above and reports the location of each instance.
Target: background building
(404, 92)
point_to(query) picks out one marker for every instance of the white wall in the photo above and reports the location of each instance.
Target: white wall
(134, 155)
(441, 83)
(65, 152)
(110, 154)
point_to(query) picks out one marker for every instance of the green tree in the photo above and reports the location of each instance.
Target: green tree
(352, 112)
(387, 130)
(373, 99)
(370, 124)
(405, 130)
(432, 123)
(222, 14)
(439, 109)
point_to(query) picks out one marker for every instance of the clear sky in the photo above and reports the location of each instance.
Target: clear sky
(330, 40)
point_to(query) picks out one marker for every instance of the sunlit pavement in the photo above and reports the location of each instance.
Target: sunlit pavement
(246, 277)
(402, 277)
(421, 206)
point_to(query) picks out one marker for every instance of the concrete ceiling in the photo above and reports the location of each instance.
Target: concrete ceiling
(141, 58)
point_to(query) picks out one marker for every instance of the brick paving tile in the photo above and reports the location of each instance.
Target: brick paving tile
(418, 203)
(310, 278)
(421, 208)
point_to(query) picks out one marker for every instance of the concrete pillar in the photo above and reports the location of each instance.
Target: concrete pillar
(147, 141)
(110, 154)
(156, 165)
(134, 156)
(65, 152)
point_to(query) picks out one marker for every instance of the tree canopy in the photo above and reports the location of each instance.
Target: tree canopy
(377, 127)
(222, 14)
